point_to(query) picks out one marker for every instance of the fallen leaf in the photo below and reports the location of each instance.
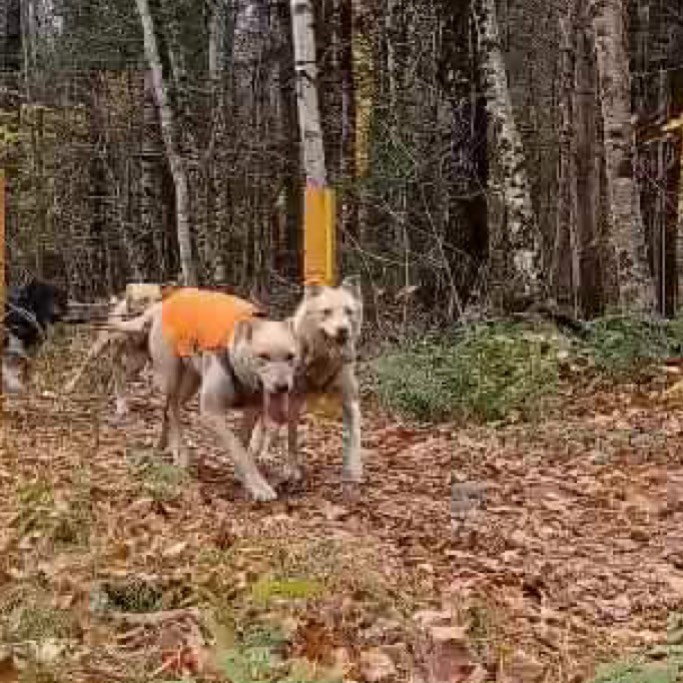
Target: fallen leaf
(376, 665)
(175, 550)
(8, 669)
(522, 667)
(449, 658)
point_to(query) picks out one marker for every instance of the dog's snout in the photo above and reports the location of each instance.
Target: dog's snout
(342, 334)
(281, 387)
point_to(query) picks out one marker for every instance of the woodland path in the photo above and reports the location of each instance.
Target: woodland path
(576, 555)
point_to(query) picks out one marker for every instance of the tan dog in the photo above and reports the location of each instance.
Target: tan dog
(327, 325)
(253, 369)
(129, 354)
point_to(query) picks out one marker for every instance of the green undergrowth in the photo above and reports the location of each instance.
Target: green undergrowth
(663, 665)
(62, 522)
(660, 664)
(622, 346)
(161, 481)
(506, 370)
(259, 656)
(28, 613)
(483, 373)
(269, 609)
(267, 599)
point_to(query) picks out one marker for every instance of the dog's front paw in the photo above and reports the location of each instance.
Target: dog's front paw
(121, 410)
(261, 491)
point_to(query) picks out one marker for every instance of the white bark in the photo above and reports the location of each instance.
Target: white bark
(169, 134)
(307, 92)
(626, 230)
(217, 39)
(522, 232)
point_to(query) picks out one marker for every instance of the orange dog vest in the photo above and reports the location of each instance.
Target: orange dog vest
(195, 320)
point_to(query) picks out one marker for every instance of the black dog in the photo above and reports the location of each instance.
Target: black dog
(29, 312)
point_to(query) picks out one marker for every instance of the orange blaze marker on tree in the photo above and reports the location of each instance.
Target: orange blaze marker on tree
(319, 236)
(319, 265)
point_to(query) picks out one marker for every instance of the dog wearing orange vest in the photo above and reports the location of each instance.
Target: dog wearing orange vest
(221, 346)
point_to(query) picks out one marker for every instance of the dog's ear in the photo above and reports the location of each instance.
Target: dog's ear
(244, 330)
(291, 325)
(351, 283)
(311, 291)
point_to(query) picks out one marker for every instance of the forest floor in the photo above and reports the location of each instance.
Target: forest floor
(117, 567)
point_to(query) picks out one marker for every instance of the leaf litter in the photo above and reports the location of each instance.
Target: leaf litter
(561, 549)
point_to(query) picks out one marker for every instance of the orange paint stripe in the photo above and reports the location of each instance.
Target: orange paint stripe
(319, 235)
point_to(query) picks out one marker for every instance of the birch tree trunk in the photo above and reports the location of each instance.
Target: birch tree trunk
(522, 232)
(307, 92)
(626, 229)
(169, 134)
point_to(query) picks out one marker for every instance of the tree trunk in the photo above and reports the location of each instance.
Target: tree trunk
(364, 84)
(289, 209)
(213, 258)
(169, 134)
(587, 184)
(307, 92)
(349, 209)
(626, 231)
(10, 36)
(521, 238)
(97, 185)
(151, 173)
(676, 195)
(565, 269)
(217, 32)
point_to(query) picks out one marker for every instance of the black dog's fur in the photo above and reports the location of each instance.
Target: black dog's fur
(30, 310)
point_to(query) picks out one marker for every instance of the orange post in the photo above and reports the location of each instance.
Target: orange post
(319, 236)
(320, 265)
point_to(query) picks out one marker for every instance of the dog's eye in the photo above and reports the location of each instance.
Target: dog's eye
(265, 357)
(327, 312)
(289, 358)
(349, 311)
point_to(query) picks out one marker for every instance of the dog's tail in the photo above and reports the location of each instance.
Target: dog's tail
(138, 326)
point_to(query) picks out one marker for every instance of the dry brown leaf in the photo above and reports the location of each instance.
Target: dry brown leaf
(175, 550)
(522, 667)
(9, 673)
(376, 665)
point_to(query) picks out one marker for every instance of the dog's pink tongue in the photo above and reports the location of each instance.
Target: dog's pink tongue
(276, 407)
